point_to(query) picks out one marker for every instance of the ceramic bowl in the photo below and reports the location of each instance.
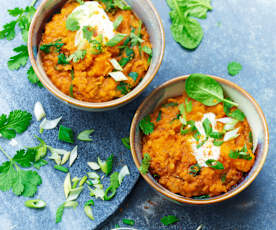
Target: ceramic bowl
(247, 104)
(144, 9)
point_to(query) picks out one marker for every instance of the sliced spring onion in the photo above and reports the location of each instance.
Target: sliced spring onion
(49, 124)
(75, 181)
(57, 151)
(97, 192)
(129, 222)
(85, 135)
(82, 181)
(41, 150)
(56, 158)
(67, 185)
(226, 120)
(93, 175)
(115, 64)
(118, 76)
(35, 203)
(61, 168)
(73, 155)
(123, 172)
(65, 158)
(74, 193)
(106, 166)
(115, 40)
(70, 203)
(39, 111)
(231, 135)
(93, 165)
(88, 212)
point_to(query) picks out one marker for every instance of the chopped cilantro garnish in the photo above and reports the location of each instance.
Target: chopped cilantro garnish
(144, 168)
(214, 164)
(146, 125)
(240, 154)
(72, 24)
(77, 56)
(170, 219)
(62, 59)
(124, 88)
(133, 75)
(57, 45)
(194, 169)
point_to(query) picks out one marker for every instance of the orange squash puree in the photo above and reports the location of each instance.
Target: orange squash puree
(91, 81)
(171, 154)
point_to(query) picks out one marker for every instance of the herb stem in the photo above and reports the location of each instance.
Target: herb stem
(7, 155)
(231, 102)
(34, 2)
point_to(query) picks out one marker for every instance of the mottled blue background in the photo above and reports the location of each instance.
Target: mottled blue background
(236, 30)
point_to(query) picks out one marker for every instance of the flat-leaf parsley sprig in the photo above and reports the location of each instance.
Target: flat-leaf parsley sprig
(23, 19)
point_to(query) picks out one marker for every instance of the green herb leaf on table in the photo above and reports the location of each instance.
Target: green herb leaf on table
(234, 68)
(22, 182)
(144, 168)
(128, 222)
(33, 77)
(186, 30)
(8, 31)
(115, 40)
(19, 60)
(205, 90)
(66, 134)
(126, 142)
(170, 219)
(17, 122)
(146, 125)
(214, 164)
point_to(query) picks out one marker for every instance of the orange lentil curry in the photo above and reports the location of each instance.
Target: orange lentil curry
(87, 77)
(172, 161)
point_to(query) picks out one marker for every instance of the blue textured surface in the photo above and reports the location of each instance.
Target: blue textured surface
(235, 30)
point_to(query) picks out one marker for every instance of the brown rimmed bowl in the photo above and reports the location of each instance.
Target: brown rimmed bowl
(144, 9)
(247, 104)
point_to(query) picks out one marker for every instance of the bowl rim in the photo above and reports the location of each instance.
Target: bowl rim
(92, 105)
(211, 200)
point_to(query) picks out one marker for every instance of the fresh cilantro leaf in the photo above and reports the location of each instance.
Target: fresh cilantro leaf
(126, 142)
(20, 181)
(40, 163)
(146, 125)
(135, 39)
(124, 88)
(240, 154)
(194, 169)
(115, 40)
(133, 75)
(33, 77)
(8, 31)
(16, 11)
(88, 32)
(124, 61)
(77, 56)
(72, 24)
(159, 116)
(144, 168)
(20, 59)
(25, 158)
(17, 122)
(114, 184)
(170, 219)
(214, 164)
(62, 59)
(57, 45)
(66, 134)
(234, 68)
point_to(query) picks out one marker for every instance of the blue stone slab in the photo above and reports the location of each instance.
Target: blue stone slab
(242, 31)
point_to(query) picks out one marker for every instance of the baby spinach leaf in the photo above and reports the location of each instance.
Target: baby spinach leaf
(205, 90)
